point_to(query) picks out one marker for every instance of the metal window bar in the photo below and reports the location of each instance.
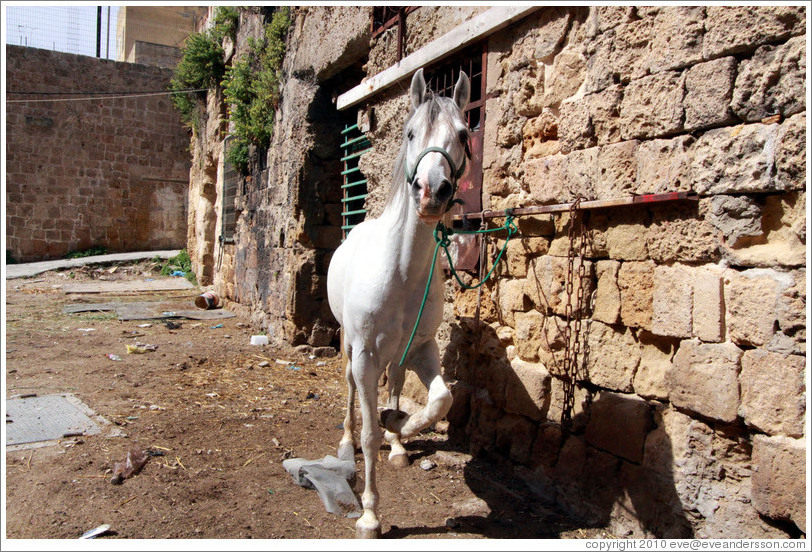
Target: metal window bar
(354, 185)
(228, 218)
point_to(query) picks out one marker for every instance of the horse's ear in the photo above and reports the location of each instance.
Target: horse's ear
(462, 91)
(418, 88)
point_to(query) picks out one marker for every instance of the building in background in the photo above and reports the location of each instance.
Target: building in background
(153, 35)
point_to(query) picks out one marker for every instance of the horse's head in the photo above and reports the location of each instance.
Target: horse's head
(436, 142)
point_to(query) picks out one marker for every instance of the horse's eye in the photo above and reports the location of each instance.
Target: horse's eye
(464, 136)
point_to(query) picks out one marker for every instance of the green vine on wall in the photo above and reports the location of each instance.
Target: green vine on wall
(251, 87)
(202, 66)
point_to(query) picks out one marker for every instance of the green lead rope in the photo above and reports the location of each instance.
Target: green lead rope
(442, 238)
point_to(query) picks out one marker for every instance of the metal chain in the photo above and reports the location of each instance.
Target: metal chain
(572, 330)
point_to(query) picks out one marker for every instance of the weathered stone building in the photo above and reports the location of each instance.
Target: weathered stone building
(91, 170)
(687, 417)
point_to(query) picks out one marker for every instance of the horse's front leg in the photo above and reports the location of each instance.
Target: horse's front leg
(365, 372)
(426, 363)
(389, 417)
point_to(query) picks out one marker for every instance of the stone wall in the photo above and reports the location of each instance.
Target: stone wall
(289, 220)
(690, 399)
(109, 172)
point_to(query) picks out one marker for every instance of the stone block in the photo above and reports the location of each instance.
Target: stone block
(673, 301)
(618, 424)
(636, 282)
(790, 154)
(791, 309)
(590, 120)
(546, 179)
(779, 478)
(781, 241)
(607, 297)
(604, 18)
(528, 390)
(582, 172)
(625, 235)
(773, 398)
(528, 98)
(704, 379)
(514, 437)
(614, 355)
(676, 38)
(680, 233)
(546, 283)
(619, 55)
(529, 334)
(751, 298)
(773, 82)
(511, 299)
(563, 78)
(735, 217)
(735, 160)
(617, 165)
(540, 135)
(655, 362)
(664, 165)
(709, 306)
(652, 106)
(708, 92)
(733, 30)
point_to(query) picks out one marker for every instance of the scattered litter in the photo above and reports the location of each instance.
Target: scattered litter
(264, 364)
(321, 363)
(292, 367)
(140, 348)
(85, 329)
(275, 442)
(111, 356)
(172, 325)
(259, 340)
(132, 418)
(154, 407)
(169, 313)
(27, 396)
(178, 273)
(207, 300)
(427, 464)
(155, 453)
(329, 476)
(69, 434)
(285, 362)
(217, 326)
(135, 461)
(311, 395)
(93, 533)
(145, 325)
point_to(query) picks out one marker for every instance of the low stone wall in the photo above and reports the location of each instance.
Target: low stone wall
(109, 172)
(690, 402)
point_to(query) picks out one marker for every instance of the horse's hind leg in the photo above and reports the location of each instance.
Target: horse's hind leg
(397, 455)
(366, 373)
(346, 448)
(427, 366)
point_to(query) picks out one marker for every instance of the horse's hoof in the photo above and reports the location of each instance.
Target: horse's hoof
(364, 532)
(399, 460)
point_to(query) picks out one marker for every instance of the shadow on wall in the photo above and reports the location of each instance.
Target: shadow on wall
(609, 470)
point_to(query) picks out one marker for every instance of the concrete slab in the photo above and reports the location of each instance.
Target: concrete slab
(149, 310)
(26, 270)
(40, 421)
(170, 284)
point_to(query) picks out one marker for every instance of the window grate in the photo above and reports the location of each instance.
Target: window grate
(228, 218)
(354, 185)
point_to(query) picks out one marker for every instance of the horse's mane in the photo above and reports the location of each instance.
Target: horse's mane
(436, 104)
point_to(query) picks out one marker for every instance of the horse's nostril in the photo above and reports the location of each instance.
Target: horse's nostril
(445, 190)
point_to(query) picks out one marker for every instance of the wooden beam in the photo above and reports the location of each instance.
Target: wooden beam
(453, 41)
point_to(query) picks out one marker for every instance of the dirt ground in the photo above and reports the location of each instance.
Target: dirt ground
(221, 415)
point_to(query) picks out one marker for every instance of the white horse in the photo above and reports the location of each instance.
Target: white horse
(377, 279)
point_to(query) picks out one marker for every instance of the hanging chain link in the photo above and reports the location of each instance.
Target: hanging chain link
(572, 330)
